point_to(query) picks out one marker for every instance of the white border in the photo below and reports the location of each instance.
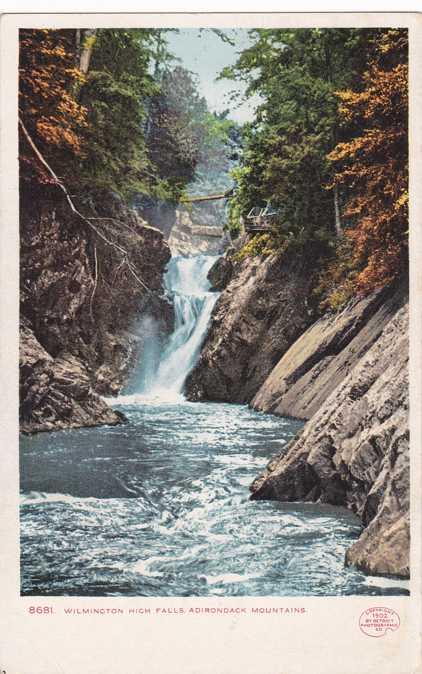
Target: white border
(326, 639)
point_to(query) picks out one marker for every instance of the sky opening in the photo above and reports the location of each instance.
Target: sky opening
(204, 53)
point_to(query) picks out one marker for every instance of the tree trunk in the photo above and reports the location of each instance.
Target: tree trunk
(337, 212)
(78, 44)
(88, 39)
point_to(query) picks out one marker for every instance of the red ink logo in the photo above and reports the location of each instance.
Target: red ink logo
(377, 621)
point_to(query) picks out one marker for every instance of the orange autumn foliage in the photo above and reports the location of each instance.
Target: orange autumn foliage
(372, 167)
(48, 106)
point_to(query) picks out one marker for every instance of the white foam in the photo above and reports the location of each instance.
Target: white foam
(382, 581)
(142, 567)
(156, 399)
(228, 578)
(35, 497)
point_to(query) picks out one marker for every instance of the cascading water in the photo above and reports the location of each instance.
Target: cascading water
(186, 280)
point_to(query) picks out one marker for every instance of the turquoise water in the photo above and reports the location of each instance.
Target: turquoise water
(160, 507)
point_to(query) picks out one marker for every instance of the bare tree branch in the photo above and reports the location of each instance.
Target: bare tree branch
(95, 284)
(87, 221)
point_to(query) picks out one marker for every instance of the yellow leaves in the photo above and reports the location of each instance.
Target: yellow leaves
(392, 40)
(89, 41)
(402, 201)
(47, 82)
(261, 244)
(372, 165)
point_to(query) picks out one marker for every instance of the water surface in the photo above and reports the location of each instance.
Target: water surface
(160, 507)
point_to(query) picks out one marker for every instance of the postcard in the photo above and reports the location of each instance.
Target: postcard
(211, 285)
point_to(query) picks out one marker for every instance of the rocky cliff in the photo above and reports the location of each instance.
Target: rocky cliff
(80, 305)
(354, 451)
(325, 354)
(260, 313)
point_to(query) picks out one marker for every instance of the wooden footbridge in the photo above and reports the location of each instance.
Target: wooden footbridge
(259, 219)
(209, 197)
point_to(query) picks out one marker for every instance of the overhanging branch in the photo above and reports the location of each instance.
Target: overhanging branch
(87, 221)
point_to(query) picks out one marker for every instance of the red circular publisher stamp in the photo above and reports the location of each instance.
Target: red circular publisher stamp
(377, 621)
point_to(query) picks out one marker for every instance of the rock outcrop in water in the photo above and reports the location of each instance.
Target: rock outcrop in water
(260, 313)
(79, 311)
(57, 393)
(354, 451)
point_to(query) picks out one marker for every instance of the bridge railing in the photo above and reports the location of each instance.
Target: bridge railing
(260, 218)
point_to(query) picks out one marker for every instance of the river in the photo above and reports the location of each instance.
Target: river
(159, 506)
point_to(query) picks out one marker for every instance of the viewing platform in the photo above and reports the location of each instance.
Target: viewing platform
(260, 219)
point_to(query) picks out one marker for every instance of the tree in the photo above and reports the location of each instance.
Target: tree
(115, 92)
(295, 73)
(47, 105)
(372, 165)
(177, 128)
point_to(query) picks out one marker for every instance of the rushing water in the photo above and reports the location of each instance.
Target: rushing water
(159, 506)
(164, 376)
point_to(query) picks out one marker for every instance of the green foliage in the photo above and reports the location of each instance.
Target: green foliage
(187, 143)
(296, 74)
(261, 244)
(118, 83)
(176, 129)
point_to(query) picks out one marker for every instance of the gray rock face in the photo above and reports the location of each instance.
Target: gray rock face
(324, 355)
(57, 393)
(221, 273)
(192, 236)
(261, 312)
(354, 451)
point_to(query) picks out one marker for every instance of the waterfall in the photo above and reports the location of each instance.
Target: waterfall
(163, 375)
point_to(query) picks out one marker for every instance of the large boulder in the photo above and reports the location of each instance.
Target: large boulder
(221, 273)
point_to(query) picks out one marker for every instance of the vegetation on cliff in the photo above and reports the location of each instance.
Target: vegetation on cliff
(328, 149)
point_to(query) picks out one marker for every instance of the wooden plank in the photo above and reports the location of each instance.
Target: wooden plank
(210, 197)
(257, 228)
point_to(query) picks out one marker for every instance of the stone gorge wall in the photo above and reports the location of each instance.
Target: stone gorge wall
(79, 311)
(354, 451)
(260, 313)
(190, 236)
